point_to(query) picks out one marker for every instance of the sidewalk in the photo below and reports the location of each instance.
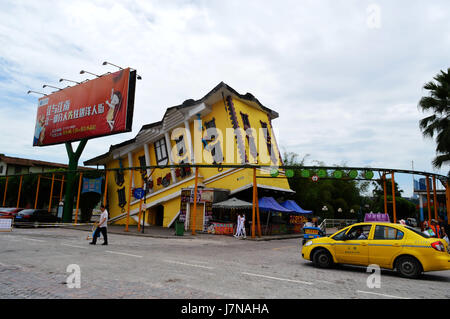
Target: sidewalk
(163, 232)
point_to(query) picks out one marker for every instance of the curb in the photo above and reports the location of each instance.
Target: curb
(202, 235)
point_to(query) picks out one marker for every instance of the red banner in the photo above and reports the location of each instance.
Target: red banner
(99, 107)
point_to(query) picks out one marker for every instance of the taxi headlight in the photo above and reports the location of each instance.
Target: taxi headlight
(308, 243)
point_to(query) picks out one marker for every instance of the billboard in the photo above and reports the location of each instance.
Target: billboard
(99, 107)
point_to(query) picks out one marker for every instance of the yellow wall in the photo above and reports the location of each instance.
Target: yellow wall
(238, 179)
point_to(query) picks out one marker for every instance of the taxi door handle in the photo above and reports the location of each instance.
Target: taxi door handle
(396, 245)
(363, 244)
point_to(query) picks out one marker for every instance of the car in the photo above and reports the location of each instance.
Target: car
(27, 216)
(391, 246)
(9, 212)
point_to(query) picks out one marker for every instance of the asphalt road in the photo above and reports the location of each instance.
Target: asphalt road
(34, 264)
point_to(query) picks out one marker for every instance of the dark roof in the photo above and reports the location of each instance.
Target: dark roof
(248, 97)
(32, 163)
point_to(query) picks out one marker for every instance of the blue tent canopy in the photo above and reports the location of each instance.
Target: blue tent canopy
(270, 204)
(292, 205)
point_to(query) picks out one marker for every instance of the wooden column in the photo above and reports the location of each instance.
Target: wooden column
(37, 191)
(254, 203)
(428, 199)
(129, 199)
(394, 209)
(4, 194)
(51, 193)
(385, 194)
(80, 181)
(194, 216)
(20, 189)
(435, 202)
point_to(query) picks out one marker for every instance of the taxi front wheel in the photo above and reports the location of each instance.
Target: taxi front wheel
(322, 259)
(409, 267)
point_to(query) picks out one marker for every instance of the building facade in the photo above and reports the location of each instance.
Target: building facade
(15, 166)
(222, 127)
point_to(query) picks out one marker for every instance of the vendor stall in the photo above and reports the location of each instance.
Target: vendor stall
(298, 217)
(225, 215)
(276, 214)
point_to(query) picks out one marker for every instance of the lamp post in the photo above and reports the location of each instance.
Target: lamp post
(60, 80)
(120, 68)
(51, 86)
(83, 71)
(29, 91)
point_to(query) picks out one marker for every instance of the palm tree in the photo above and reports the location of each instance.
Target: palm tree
(438, 124)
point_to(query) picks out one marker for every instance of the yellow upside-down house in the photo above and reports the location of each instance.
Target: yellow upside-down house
(222, 127)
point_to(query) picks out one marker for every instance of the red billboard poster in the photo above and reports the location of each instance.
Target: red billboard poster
(99, 107)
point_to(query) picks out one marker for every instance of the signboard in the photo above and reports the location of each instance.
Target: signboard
(205, 196)
(138, 193)
(92, 185)
(99, 107)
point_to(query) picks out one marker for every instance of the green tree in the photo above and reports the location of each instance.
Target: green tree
(330, 192)
(403, 207)
(438, 124)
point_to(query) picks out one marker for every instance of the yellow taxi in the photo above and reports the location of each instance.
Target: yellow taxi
(391, 246)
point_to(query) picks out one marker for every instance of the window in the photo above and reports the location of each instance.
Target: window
(245, 120)
(1, 169)
(387, 233)
(268, 141)
(359, 232)
(17, 169)
(181, 148)
(142, 163)
(339, 235)
(249, 135)
(161, 152)
(214, 148)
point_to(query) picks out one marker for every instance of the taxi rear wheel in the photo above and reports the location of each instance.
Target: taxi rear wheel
(322, 259)
(408, 267)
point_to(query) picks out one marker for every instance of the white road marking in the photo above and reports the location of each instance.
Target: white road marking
(185, 264)
(75, 246)
(276, 278)
(125, 254)
(38, 240)
(383, 295)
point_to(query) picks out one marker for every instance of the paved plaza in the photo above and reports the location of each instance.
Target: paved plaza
(35, 263)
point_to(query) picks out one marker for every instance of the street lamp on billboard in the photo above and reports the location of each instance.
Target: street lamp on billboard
(36, 92)
(83, 71)
(120, 68)
(51, 86)
(60, 80)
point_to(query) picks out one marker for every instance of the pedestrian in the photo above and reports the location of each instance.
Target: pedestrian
(238, 226)
(102, 227)
(243, 232)
(309, 223)
(437, 230)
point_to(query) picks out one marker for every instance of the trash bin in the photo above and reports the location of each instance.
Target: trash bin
(179, 228)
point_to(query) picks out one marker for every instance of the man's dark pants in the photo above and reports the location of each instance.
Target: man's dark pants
(103, 230)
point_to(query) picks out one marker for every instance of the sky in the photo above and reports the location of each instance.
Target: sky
(345, 76)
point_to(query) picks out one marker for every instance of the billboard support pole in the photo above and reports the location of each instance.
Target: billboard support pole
(73, 165)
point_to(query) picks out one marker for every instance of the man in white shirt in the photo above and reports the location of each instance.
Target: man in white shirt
(102, 227)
